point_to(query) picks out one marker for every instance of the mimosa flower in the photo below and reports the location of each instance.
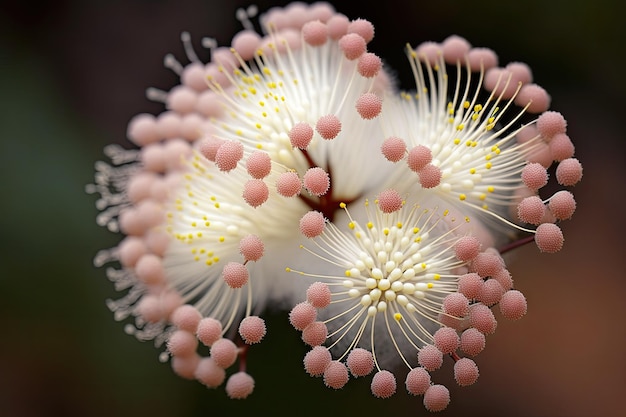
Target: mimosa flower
(275, 145)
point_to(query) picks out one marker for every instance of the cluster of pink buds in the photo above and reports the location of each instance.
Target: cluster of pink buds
(259, 174)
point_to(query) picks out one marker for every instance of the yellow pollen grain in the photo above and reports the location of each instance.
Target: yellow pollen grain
(491, 189)
(466, 104)
(416, 230)
(485, 206)
(478, 108)
(221, 239)
(370, 225)
(386, 231)
(258, 125)
(287, 269)
(468, 143)
(457, 141)
(446, 212)
(472, 171)
(460, 126)
(467, 219)
(342, 205)
(430, 285)
(488, 157)
(399, 225)
(488, 165)
(482, 197)
(217, 205)
(437, 277)
(262, 103)
(423, 265)
(209, 262)
(207, 224)
(351, 225)
(397, 316)
(462, 197)
(199, 234)
(347, 273)
(196, 258)
(193, 224)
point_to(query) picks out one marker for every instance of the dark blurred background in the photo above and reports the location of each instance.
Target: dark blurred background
(72, 73)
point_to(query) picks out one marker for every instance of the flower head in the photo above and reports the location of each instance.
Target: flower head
(275, 144)
(402, 288)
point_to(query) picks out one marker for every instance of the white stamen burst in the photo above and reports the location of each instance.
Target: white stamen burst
(396, 270)
(291, 83)
(473, 147)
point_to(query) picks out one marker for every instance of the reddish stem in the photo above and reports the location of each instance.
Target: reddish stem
(517, 244)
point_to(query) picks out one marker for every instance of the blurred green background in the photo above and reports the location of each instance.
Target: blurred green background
(72, 73)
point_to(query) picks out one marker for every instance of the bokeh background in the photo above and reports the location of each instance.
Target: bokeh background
(73, 72)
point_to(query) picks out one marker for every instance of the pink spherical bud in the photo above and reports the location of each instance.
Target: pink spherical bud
(181, 99)
(288, 184)
(504, 278)
(239, 386)
(389, 201)
(209, 147)
(318, 295)
(142, 129)
(352, 45)
(430, 358)
(436, 398)
(393, 148)
(130, 250)
(537, 99)
(419, 157)
(301, 315)
(467, 248)
(224, 352)
(569, 172)
(312, 224)
(482, 319)
(252, 329)
(246, 43)
(383, 384)
(534, 176)
(149, 269)
(491, 292)
(186, 317)
(315, 333)
(149, 308)
(454, 49)
(315, 33)
(456, 304)
(561, 147)
(255, 192)
(336, 375)
(337, 26)
(182, 343)
(369, 65)
(486, 264)
(562, 205)
(209, 330)
(470, 285)
(153, 157)
(259, 164)
(193, 76)
(360, 362)
(228, 155)
(139, 186)
(317, 360)
(513, 305)
(465, 372)
(316, 181)
(472, 341)
(549, 238)
(446, 340)
(185, 366)
(369, 105)
(328, 126)
(484, 58)
(209, 374)
(168, 125)
(417, 381)
(301, 135)
(550, 123)
(235, 274)
(363, 28)
(429, 52)
(429, 176)
(251, 247)
(531, 210)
